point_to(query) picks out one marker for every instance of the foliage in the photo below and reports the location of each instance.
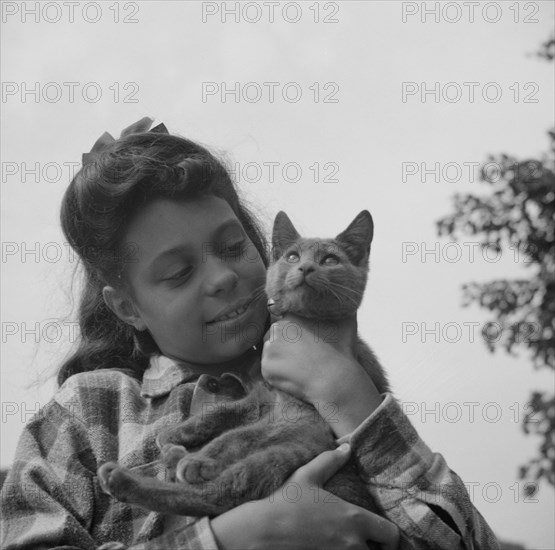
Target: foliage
(518, 215)
(547, 49)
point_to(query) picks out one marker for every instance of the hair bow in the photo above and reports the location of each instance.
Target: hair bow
(106, 139)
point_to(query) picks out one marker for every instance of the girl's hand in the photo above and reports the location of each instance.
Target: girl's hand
(315, 363)
(301, 514)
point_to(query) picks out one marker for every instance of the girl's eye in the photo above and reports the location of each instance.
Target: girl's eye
(330, 259)
(292, 257)
(182, 275)
(233, 250)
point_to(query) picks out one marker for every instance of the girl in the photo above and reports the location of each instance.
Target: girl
(174, 270)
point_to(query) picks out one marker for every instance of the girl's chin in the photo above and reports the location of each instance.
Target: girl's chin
(235, 352)
(220, 354)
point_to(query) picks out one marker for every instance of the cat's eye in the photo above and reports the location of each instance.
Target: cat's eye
(292, 257)
(330, 259)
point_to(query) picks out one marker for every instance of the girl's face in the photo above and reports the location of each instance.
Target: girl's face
(196, 280)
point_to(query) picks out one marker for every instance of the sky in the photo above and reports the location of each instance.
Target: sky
(321, 109)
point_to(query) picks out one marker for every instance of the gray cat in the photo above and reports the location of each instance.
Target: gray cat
(247, 448)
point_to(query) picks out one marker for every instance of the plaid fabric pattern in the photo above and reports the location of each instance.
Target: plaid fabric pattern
(52, 499)
(414, 486)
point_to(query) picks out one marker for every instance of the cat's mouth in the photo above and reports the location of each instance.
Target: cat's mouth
(273, 307)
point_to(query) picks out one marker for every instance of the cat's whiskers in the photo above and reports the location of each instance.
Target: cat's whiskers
(259, 292)
(354, 300)
(336, 295)
(357, 292)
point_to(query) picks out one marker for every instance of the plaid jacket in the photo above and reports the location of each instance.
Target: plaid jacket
(51, 498)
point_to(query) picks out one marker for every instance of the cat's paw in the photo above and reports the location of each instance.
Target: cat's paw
(197, 470)
(115, 480)
(172, 454)
(164, 439)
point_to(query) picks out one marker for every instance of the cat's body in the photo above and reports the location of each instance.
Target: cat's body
(246, 449)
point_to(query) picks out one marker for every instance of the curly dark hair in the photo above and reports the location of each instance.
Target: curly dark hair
(96, 210)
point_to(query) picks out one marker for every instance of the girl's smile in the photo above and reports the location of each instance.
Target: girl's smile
(196, 281)
(233, 311)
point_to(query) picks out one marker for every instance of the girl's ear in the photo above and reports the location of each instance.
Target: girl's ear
(122, 305)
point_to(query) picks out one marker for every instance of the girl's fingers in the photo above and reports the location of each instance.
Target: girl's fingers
(370, 526)
(378, 529)
(321, 468)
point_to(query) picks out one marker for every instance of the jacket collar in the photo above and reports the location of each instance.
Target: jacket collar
(164, 374)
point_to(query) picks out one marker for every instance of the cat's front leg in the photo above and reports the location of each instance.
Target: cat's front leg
(196, 469)
(200, 429)
(207, 463)
(194, 432)
(261, 473)
(117, 481)
(237, 445)
(256, 476)
(160, 496)
(171, 455)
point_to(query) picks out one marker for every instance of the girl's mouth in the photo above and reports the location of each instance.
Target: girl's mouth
(233, 314)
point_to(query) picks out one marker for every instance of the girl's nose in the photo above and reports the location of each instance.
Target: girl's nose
(219, 277)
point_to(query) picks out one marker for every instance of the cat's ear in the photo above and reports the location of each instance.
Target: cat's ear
(357, 238)
(283, 235)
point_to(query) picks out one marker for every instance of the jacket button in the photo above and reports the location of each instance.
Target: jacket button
(213, 385)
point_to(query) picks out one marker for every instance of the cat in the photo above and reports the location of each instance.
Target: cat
(247, 448)
(338, 271)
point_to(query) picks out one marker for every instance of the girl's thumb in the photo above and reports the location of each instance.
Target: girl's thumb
(321, 468)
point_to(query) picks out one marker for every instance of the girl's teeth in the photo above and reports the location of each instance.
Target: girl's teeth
(232, 314)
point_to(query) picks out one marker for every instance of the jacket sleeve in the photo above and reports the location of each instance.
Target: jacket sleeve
(49, 498)
(414, 486)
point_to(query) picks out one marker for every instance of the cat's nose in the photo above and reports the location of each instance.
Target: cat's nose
(306, 269)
